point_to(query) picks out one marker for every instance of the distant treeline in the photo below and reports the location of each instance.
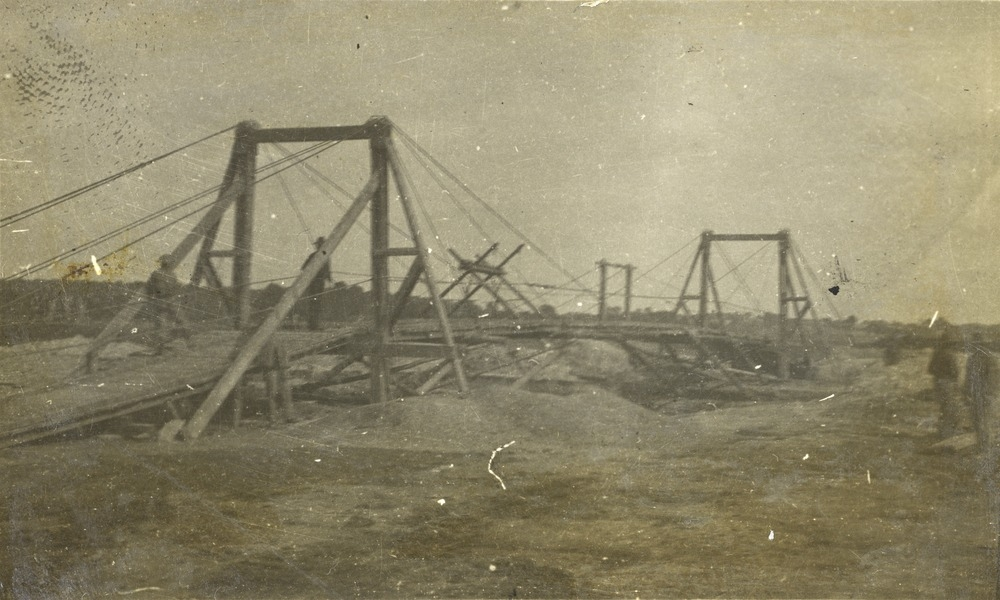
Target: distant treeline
(39, 309)
(33, 309)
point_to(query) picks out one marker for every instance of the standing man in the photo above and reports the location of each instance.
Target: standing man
(165, 295)
(944, 369)
(314, 292)
(980, 388)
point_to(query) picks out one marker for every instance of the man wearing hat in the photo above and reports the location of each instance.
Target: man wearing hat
(313, 295)
(165, 295)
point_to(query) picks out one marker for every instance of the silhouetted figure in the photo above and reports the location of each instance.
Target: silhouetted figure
(944, 369)
(980, 390)
(892, 353)
(313, 295)
(165, 295)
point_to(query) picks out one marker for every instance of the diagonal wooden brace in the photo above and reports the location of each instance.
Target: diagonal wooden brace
(246, 355)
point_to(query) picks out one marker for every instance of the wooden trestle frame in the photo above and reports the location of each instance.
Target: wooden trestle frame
(793, 302)
(238, 190)
(482, 273)
(602, 296)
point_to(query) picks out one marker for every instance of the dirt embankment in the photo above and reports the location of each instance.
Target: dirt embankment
(820, 489)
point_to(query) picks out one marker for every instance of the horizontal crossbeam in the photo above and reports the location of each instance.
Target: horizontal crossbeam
(745, 237)
(317, 134)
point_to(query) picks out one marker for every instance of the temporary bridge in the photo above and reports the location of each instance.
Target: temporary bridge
(214, 363)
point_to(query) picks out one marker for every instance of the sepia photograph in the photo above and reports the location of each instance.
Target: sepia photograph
(499, 299)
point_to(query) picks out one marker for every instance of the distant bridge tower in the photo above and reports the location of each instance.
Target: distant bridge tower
(602, 298)
(793, 301)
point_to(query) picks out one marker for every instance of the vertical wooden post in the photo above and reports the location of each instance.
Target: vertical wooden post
(243, 224)
(628, 290)
(784, 296)
(602, 300)
(381, 300)
(684, 297)
(706, 277)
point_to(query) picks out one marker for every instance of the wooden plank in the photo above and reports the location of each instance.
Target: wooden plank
(137, 382)
(114, 327)
(438, 373)
(483, 281)
(393, 349)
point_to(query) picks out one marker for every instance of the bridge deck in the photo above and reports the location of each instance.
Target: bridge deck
(45, 396)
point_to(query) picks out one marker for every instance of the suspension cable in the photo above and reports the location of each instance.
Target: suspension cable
(312, 151)
(657, 265)
(317, 173)
(742, 262)
(413, 190)
(468, 215)
(812, 274)
(411, 144)
(28, 212)
(295, 208)
(484, 204)
(740, 279)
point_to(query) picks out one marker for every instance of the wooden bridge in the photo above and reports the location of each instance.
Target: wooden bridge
(214, 364)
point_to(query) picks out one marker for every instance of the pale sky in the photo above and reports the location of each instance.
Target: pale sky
(619, 131)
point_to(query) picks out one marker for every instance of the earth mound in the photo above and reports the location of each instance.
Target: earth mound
(494, 415)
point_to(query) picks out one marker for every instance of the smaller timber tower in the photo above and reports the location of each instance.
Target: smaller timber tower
(793, 300)
(602, 296)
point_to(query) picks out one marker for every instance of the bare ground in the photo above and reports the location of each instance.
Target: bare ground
(826, 488)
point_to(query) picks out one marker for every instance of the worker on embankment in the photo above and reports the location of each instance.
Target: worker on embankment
(313, 296)
(980, 390)
(165, 296)
(943, 367)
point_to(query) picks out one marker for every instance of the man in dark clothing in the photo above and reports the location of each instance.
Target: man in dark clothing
(944, 369)
(980, 388)
(313, 295)
(165, 295)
